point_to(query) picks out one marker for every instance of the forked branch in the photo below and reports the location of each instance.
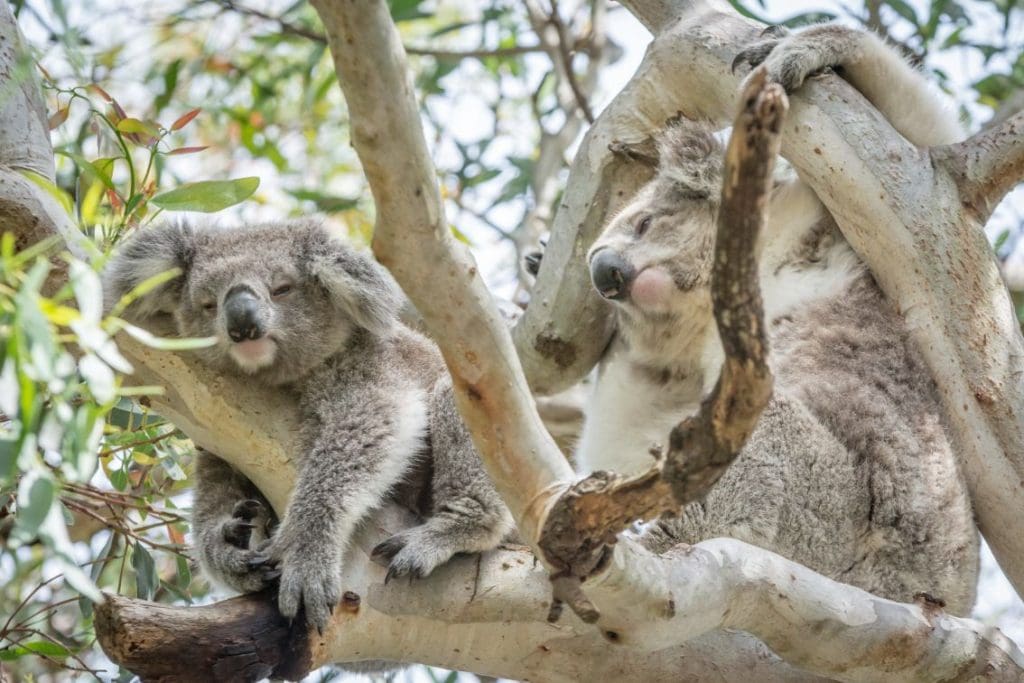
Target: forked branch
(987, 165)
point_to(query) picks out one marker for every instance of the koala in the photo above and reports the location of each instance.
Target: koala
(296, 310)
(849, 470)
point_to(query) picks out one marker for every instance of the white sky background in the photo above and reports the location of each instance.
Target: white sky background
(465, 118)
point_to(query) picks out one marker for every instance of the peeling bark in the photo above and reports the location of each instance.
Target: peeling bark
(242, 639)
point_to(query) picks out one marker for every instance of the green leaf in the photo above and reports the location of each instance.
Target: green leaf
(166, 344)
(184, 577)
(44, 648)
(79, 580)
(326, 202)
(904, 10)
(146, 579)
(36, 494)
(119, 479)
(62, 197)
(131, 125)
(101, 168)
(207, 195)
(406, 10)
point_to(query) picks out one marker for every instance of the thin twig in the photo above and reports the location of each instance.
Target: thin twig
(566, 56)
(420, 51)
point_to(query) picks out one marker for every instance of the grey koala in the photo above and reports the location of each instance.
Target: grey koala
(849, 471)
(297, 310)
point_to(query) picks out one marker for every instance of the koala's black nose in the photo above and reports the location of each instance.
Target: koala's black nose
(242, 311)
(611, 274)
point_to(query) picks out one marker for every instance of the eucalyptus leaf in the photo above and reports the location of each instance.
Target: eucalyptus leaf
(207, 196)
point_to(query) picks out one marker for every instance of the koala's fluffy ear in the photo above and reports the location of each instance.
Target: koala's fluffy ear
(358, 286)
(147, 253)
(690, 159)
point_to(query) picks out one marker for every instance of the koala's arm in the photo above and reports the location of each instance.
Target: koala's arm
(359, 439)
(230, 519)
(467, 515)
(898, 90)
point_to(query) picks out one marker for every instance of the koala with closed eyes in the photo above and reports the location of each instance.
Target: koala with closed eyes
(850, 470)
(296, 309)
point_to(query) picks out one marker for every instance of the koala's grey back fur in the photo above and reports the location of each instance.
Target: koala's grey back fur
(377, 411)
(849, 470)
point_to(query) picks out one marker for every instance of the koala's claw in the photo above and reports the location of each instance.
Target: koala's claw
(238, 533)
(775, 31)
(313, 587)
(531, 261)
(247, 509)
(385, 551)
(755, 55)
(409, 554)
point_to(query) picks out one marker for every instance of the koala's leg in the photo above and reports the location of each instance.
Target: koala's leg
(467, 515)
(230, 519)
(359, 443)
(794, 489)
(893, 86)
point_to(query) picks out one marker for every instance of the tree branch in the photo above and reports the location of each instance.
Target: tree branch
(545, 182)
(987, 165)
(243, 639)
(446, 55)
(412, 239)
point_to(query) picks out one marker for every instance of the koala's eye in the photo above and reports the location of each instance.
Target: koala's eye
(209, 306)
(281, 291)
(643, 225)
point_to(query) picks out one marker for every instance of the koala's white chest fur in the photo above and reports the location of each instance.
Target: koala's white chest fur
(628, 415)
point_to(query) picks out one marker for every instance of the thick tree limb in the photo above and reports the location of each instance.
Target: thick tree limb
(487, 616)
(25, 208)
(475, 614)
(545, 182)
(412, 239)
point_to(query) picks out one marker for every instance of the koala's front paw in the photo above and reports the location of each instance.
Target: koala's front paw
(411, 553)
(789, 60)
(310, 578)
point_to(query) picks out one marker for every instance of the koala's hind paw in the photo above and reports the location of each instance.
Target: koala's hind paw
(247, 515)
(410, 553)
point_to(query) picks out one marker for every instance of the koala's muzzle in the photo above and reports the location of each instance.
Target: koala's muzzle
(242, 314)
(611, 274)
